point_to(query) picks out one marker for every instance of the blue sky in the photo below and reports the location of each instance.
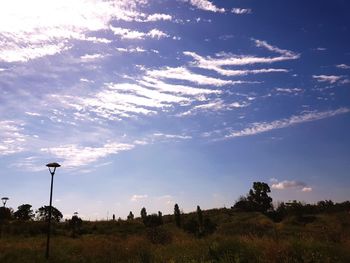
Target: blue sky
(151, 103)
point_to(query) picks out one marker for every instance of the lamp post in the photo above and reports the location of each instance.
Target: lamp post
(52, 169)
(4, 200)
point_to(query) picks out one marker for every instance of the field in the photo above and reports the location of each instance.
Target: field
(239, 237)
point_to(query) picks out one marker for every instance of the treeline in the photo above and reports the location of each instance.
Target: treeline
(26, 213)
(258, 200)
(197, 223)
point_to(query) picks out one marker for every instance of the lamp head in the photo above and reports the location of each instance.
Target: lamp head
(4, 200)
(53, 165)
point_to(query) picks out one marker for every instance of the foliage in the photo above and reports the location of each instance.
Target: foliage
(258, 197)
(42, 214)
(131, 216)
(24, 212)
(159, 235)
(75, 224)
(153, 220)
(256, 200)
(177, 215)
(143, 213)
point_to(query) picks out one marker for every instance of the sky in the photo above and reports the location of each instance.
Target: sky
(148, 103)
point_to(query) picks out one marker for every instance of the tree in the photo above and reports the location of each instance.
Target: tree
(24, 212)
(143, 213)
(131, 216)
(258, 197)
(75, 224)
(43, 214)
(200, 219)
(177, 215)
(160, 216)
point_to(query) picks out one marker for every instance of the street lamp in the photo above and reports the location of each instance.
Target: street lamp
(52, 169)
(4, 200)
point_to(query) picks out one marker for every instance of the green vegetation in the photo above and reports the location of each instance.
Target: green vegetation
(293, 232)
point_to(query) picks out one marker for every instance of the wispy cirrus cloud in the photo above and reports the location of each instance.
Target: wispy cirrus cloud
(131, 50)
(91, 57)
(327, 78)
(261, 127)
(223, 60)
(182, 73)
(343, 66)
(213, 106)
(73, 155)
(126, 33)
(205, 5)
(171, 136)
(12, 139)
(241, 11)
(30, 30)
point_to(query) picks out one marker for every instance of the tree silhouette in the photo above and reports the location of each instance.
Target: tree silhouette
(200, 220)
(43, 214)
(130, 216)
(177, 215)
(143, 213)
(75, 224)
(258, 197)
(24, 212)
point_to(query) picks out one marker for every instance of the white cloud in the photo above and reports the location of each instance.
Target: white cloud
(172, 136)
(205, 5)
(343, 66)
(222, 60)
(306, 189)
(327, 78)
(136, 198)
(32, 113)
(182, 73)
(261, 127)
(33, 29)
(289, 90)
(131, 50)
(157, 17)
(284, 52)
(177, 89)
(12, 139)
(215, 105)
(122, 100)
(283, 185)
(126, 33)
(91, 57)
(241, 11)
(288, 184)
(74, 155)
(156, 33)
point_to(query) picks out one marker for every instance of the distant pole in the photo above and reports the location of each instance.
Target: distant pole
(52, 172)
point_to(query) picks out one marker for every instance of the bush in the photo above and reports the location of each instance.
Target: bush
(159, 235)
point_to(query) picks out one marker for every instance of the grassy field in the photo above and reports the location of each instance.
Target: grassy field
(239, 237)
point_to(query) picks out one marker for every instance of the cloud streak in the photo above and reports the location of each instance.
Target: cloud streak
(262, 127)
(73, 155)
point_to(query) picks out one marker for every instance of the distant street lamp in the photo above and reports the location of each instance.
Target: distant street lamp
(4, 200)
(52, 166)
